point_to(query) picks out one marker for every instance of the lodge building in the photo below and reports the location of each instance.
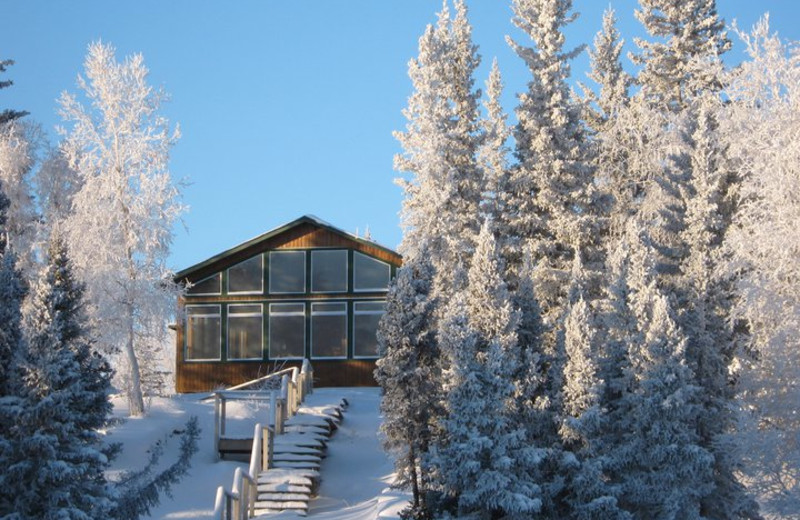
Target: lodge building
(304, 289)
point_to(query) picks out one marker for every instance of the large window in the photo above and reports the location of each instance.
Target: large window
(370, 274)
(287, 272)
(203, 332)
(287, 330)
(210, 285)
(245, 331)
(329, 271)
(247, 277)
(366, 316)
(329, 330)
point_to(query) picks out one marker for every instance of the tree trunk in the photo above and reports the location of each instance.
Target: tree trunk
(135, 398)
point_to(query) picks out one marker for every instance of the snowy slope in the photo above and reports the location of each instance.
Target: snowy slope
(355, 475)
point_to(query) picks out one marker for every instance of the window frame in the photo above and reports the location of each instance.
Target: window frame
(305, 272)
(261, 270)
(365, 313)
(230, 314)
(269, 327)
(187, 327)
(355, 274)
(312, 356)
(218, 293)
(346, 271)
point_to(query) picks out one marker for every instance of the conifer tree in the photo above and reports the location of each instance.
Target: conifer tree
(12, 348)
(61, 455)
(680, 63)
(483, 460)
(493, 154)
(442, 196)
(659, 461)
(8, 114)
(409, 372)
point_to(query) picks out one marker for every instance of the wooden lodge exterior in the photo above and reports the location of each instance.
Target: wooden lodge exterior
(305, 289)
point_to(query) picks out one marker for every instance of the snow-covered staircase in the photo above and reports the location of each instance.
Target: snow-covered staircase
(293, 477)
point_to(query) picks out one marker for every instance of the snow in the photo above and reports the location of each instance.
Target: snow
(356, 473)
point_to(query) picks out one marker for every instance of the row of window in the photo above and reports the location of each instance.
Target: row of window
(287, 274)
(286, 331)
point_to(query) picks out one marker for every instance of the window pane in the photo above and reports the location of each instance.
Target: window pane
(287, 272)
(287, 331)
(244, 332)
(210, 285)
(246, 276)
(203, 329)
(329, 329)
(366, 316)
(329, 271)
(370, 274)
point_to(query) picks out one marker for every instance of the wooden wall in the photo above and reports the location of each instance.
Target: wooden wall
(203, 376)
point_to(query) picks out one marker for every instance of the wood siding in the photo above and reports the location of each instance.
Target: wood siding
(203, 376)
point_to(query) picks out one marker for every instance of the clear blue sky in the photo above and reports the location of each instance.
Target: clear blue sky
(286, 107)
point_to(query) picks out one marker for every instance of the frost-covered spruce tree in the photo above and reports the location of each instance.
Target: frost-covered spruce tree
(707, 317)
(483, 461)
(12, 347)
(493, 156)
(409, 372)
(8, 114)
(761, 126)
(120, 229)
(444, 188)
(17, 158)
(679, 63)
(662, 469)
(61, 456)
(608, 114)
(553, 204)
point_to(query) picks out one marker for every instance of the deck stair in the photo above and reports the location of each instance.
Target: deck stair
(285, 457)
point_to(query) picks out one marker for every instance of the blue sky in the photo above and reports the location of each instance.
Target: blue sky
(286, 107)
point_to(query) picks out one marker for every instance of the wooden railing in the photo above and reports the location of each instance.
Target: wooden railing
(239, 503)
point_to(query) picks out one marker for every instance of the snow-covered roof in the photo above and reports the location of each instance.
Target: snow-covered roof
(305, 219)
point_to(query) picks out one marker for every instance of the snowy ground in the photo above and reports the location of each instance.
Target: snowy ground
(355, 475)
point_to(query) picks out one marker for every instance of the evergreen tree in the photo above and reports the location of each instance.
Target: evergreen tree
(61, 454)
(12, 348)
(493, 156)
(8, 114)
(552, 202)
(680, 63)
(441, 205)
(662, 468)
(409, 373)
(483, 460)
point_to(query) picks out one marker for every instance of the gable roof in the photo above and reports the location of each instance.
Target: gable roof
(254, 242)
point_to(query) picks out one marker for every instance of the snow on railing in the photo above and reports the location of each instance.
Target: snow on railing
(239, 503)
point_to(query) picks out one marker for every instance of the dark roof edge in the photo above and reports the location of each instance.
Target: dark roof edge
(305, 219)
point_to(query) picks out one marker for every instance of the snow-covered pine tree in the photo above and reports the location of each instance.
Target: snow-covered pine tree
(761, 125)
(17, 158)
(120, 229)
(8, 114)
(483, 461)
(443, 193)
(552, 204)
(409, 372)
(657, 458)
(707, 317)
(493, 157)
(61, 456)
(12, 347)
(679, 63)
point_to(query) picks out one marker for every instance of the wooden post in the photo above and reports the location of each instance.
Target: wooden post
(267, 446)
(273, 398)
(223, 406)
(279, 406)
(216, 426)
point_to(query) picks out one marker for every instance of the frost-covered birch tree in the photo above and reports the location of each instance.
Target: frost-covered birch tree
(763, 244)
(444, 187)
(18, 143)
(120, 229)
